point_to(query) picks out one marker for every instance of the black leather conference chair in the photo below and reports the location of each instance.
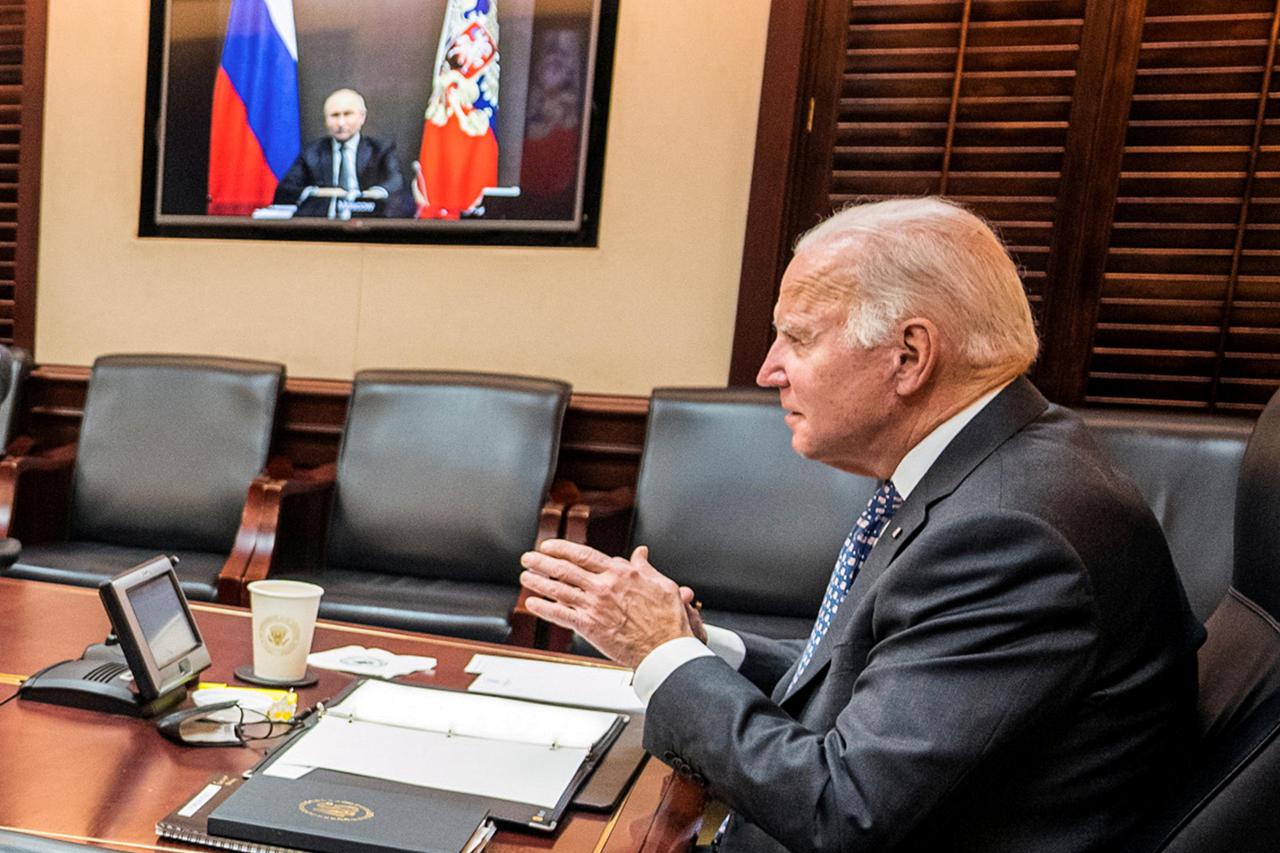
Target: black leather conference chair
(16, 366)
(1187, 467)
(439, 488)
(1228, 802)
(728, 508)
(169, 447)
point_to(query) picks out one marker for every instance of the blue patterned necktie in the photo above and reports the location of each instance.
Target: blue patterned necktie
(866, 530)
(858, 544)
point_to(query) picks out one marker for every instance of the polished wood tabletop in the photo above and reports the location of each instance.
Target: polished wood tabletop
(103, 779)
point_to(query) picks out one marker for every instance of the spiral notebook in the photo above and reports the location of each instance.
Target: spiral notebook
(189, 822)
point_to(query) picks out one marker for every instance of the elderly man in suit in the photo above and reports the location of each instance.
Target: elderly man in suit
(364, 167)
(1004, 660)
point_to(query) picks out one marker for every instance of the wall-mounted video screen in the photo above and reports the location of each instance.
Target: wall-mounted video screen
(433, 121)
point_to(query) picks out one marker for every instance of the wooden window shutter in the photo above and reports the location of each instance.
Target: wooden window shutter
(22, 52)
(1189, 315)
(11, 31)
(967, 98)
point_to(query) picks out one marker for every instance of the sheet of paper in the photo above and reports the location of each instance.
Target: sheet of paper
(376, 662)
(466, 714)
(523, 773)
(562, 683)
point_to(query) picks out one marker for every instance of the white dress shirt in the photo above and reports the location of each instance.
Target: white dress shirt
(346, 150)
(666, 658)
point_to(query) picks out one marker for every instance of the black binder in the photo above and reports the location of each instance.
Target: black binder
(522, 815)
(603, 789)
(336, 812)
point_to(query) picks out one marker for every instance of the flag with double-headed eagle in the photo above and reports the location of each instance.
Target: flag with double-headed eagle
(459, 155)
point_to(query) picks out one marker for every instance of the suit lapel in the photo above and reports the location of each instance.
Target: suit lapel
(907, 520)
(364, 151)
(1007, 413)
(324, 163)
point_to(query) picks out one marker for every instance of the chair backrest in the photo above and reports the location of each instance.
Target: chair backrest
(1228, 802)
(1240, 661)
(168, 447)
(727, 507)
(17, 367)
(1187, 467)
(443, 474)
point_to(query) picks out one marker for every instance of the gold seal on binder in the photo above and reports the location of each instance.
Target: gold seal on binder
(342, 810)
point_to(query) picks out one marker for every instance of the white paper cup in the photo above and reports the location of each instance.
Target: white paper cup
(284, 618)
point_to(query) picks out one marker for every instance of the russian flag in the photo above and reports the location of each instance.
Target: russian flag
(459, 155)
(255, 132)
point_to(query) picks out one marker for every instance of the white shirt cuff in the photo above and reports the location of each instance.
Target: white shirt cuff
(727, 645)
(673, 654)
(664, 660)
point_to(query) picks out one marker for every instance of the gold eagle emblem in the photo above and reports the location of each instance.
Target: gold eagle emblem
(340, 810)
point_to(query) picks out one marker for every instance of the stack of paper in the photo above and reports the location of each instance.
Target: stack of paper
(562, 683)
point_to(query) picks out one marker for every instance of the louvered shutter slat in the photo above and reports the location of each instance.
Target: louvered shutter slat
(1006, 127)
(1190, 310)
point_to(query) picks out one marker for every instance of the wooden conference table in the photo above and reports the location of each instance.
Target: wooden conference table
(102, 779)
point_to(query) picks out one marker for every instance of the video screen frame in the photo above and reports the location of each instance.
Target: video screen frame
(560, 208)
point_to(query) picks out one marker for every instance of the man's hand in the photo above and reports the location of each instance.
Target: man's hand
(625, 608)
(694, 613)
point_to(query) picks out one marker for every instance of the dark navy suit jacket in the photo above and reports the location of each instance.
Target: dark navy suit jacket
(1013, 669)
(376, 166)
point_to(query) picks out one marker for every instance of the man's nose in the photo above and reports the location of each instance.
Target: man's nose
(771, 374)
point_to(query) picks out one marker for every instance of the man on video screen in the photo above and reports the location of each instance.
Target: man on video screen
(347, 173)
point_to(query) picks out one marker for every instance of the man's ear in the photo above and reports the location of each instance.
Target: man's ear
(917, 353)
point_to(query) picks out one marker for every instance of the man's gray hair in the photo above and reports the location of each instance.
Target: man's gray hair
(347, 90)
(928, 257)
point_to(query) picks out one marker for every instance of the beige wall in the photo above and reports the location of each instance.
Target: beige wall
(652, 305)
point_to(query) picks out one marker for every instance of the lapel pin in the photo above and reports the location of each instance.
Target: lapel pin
(896, 532)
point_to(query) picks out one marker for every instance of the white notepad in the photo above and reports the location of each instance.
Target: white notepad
(548, 681)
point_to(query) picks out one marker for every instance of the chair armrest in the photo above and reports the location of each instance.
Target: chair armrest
(230, 578)
(601, 519)
(282, 524)
(20, 446)
(677, 818)
(526, 629)
(550, 521)
(34, 494)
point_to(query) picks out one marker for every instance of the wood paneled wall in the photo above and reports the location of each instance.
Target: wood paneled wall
(1128, 152)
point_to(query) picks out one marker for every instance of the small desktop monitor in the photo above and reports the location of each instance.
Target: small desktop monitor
(144, 669)
(157, 633)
